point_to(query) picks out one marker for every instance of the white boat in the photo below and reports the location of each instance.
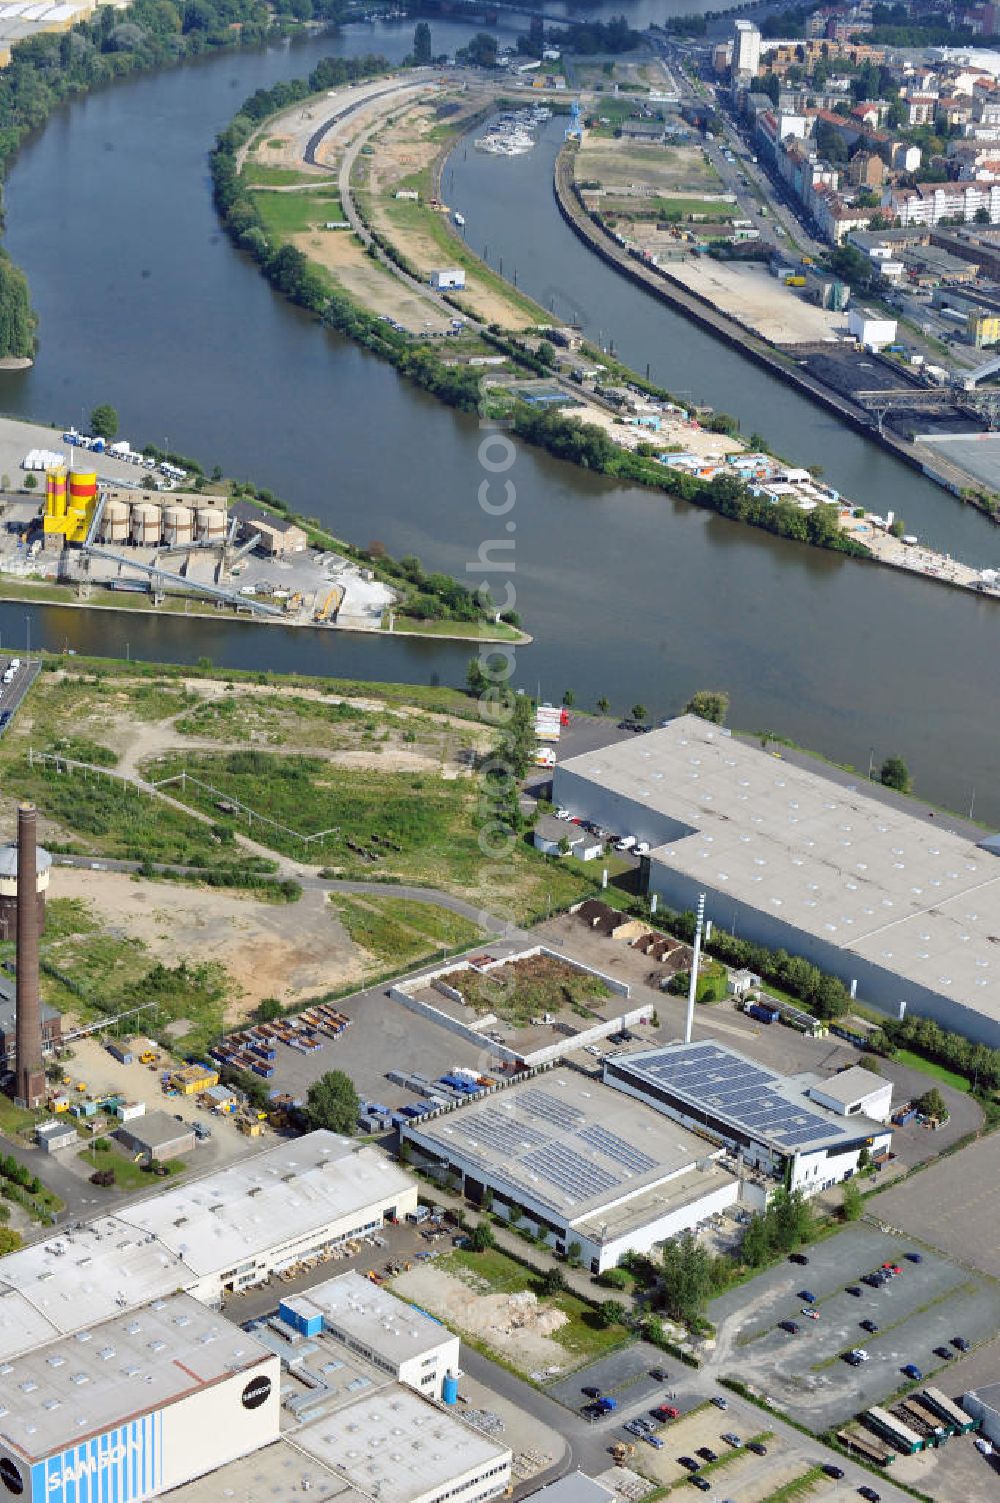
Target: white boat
(459, 219)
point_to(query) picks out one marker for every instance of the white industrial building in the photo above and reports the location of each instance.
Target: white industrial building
(228, 1230)
(236, 1228)
(855, 1092)
(893, 902)
(581, 1163)
(983, 1404)
(394, 1446)
(395, 1337)
(871, 330)
(135, 1406)
(780, 1125)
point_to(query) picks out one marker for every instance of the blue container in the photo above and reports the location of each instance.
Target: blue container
(449, 1389)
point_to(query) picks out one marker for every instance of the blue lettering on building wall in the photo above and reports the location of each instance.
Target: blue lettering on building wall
(120, 1466)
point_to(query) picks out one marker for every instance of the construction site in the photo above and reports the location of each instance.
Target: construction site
(184, 550)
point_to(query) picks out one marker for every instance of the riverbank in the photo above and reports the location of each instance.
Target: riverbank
(669, 289)
(747, 487)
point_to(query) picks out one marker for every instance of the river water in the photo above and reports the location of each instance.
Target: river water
(144, 304)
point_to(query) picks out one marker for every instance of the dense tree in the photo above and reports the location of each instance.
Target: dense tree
(481, 1238)
(603, 704)
(104, 421)
(421, 42)
(894, 773)
(687, 1281)
(932, 1104)
(17, 322)
(639, 712)
(611, 1312)
(332, 1103)
(481, 50)
(710, 704)
(852, 1201)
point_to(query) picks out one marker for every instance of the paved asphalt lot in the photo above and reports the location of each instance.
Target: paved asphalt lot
(924, 1307)
(954, 1205)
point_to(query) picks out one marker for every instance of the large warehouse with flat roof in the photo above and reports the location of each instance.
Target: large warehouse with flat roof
(582, 1163)
(899, 905)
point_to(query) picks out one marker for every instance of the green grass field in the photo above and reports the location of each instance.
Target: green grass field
(399, 932)
(128, 1175)
(430, 818)
(287, 214)
(927, 1067)
(257, 175)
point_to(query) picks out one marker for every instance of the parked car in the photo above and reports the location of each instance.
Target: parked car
(852, 1359)
(855, 1290)
(633, 1428)
(912, 1371)
(688, 1462)
(757, 1447)
(665, 1412)
(945, 1353)
(960, 1343)
(660, 1374)
(808, 1296)
(591, 1392)
(869, 1494)
(732, 1439)
(812, 1314)
(869, 1326)
(798, 1257)
(789, 1326)
(706, 1453)
(701, 1483)
(914, 1257)
(836, 1472)
(654, 1440)
(719, 1401)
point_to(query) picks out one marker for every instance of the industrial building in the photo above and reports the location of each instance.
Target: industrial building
(983, 1405)
(156, 1136)
(235, 1228)
(50, 1020)
(395, 1337)
(139, 1405)
(579, 1162)
(777, 1124)
(277, 535)
(228, 1230)
(895, 904)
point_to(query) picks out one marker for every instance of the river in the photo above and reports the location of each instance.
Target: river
(144, 304)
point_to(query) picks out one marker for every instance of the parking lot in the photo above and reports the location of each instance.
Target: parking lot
(738, 1473)
(954, 1205)
(804, 1372)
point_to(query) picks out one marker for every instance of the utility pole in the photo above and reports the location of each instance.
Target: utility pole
(693, 986)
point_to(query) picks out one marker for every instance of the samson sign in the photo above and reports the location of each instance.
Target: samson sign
(257, 1392)
(121, 1466)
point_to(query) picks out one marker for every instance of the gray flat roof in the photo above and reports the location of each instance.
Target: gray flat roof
(565, 1141)
(850, 1085)
(77, 1386)
(285, 1192)
(274, 1474)
(156, 1129)
(394, 1445)
(773, 1109)
(374, 1317)
(907, 895)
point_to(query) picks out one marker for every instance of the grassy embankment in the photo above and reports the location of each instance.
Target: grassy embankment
(102, 1155)
(399, 932)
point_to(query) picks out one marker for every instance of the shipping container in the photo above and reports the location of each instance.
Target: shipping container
(761, 1013)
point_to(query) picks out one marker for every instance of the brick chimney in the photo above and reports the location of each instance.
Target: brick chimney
(29, 1089)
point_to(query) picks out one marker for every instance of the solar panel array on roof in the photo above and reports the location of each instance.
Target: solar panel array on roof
(541, 1140)
(614, 1147)
(580, 1178)
(503, 1131)
(551, 1109)
(734, 1088)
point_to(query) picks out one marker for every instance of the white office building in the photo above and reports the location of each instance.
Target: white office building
(746, 50)
(395, 1337)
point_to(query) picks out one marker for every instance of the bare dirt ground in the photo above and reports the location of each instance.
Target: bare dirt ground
(282, 950)
(752, 295)
(662, 168)
(341, 254)
(512, 1324)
